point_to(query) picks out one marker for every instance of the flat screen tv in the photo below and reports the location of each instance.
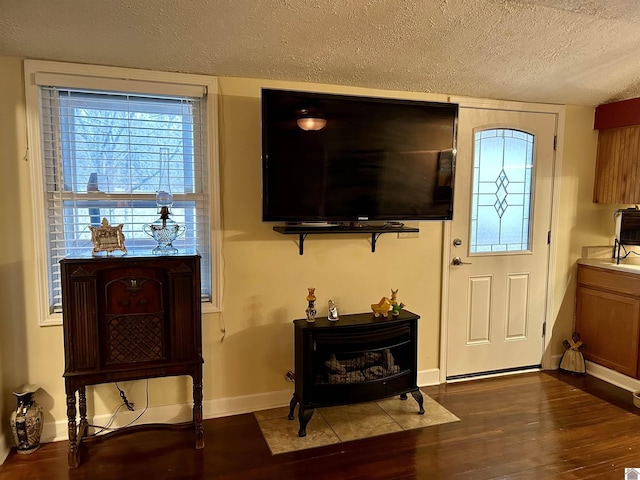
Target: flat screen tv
(336, 158)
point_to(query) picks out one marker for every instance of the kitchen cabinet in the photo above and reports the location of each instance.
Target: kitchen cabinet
(617, 175)
(608, 317)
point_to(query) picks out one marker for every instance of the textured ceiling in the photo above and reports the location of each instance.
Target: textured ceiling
(583, 52)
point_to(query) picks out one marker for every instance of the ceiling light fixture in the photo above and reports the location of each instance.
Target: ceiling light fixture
(310, 120)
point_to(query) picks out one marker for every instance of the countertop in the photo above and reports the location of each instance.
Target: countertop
(631, 264)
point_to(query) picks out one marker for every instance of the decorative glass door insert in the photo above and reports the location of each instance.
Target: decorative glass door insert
(501, 191)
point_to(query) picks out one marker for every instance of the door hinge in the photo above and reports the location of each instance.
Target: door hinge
(544, 329)
(549, 237)
(555, 142)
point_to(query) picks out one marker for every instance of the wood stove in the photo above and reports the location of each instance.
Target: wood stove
(359, 358)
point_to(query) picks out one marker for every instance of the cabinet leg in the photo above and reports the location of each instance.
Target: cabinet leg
(403, 396)
(73, 457)
(304, 415)
(417, 395)
(82, 404)
(292, 406)
(197, 410)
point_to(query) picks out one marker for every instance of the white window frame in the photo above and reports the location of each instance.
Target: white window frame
(126, 79)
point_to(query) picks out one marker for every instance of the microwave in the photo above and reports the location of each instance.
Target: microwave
(627, 226)
(627, 230)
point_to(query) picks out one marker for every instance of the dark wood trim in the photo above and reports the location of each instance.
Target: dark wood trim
(624, 113)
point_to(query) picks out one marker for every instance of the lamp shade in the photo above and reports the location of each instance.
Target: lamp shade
(164, 198)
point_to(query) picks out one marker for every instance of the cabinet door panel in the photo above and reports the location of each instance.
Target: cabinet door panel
(133, 317)
(609, 326)
(81, 330)
(617, 167)
(184, 296)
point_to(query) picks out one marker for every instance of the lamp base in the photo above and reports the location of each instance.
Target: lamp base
(165, 250)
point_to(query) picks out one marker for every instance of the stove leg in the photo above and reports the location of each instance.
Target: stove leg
(417, 395)
(292, 406)
(304, 415)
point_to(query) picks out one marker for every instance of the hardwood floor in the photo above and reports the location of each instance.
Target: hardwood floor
(546, 425)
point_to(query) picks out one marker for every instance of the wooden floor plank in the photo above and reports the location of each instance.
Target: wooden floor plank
(537, 425)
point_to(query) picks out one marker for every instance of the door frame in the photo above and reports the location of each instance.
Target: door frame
(549, 317)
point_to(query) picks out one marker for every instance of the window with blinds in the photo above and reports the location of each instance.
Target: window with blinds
(104, 154)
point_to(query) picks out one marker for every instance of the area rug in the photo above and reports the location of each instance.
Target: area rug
(348, 422)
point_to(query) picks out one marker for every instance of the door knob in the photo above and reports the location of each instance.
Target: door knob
(458, 261)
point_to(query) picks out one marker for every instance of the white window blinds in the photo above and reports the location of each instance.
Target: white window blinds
(102, 155)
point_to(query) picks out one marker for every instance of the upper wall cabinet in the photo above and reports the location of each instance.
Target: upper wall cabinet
(617, 176)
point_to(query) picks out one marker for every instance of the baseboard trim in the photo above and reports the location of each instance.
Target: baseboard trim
(611, 376)
(429, 377)
(177, 413)
(220, 407)
(555, 362)
(4, 449)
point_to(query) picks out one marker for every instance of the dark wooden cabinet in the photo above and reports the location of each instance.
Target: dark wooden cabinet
(127, 318)
(358, 358)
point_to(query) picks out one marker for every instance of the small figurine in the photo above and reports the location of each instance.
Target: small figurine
(311, 307)
(394, 297)
(395, 306)
(395, 309)
(333, 311)
(381, 308)
(572, 360)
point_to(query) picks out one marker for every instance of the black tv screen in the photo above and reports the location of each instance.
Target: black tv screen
(375, 159)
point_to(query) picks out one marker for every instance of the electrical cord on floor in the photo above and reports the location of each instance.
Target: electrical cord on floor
(129, 406)
(106, 426)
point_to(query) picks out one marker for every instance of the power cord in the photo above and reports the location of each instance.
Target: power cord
(124, 399)
(627, 253)
(125, 403)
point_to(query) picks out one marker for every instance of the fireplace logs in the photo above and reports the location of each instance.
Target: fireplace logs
(368, 366)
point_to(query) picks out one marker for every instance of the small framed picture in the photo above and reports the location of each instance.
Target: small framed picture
(106, 238)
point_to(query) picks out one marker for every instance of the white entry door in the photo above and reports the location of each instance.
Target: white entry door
(498, 251)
